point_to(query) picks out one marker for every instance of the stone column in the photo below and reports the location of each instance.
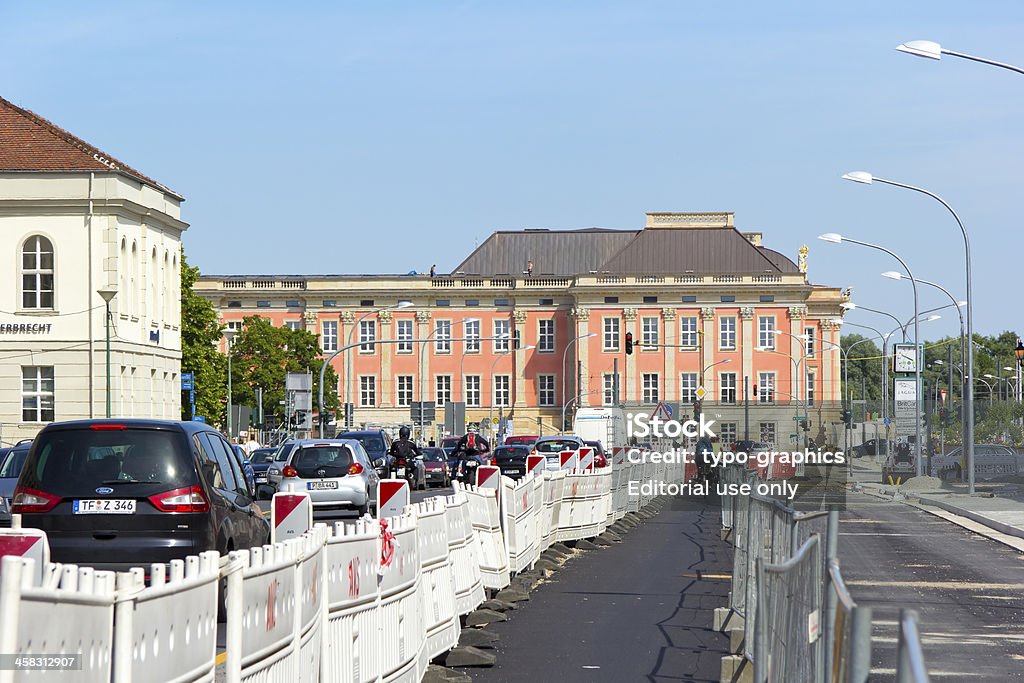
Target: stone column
(748, 344)
(349, 383)
(709, 342)
(387, 398)
(632, 380)
(423, 388)
(669, 352)
(796, 351)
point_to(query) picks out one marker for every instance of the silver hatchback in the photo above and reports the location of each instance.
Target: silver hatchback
(336, 473)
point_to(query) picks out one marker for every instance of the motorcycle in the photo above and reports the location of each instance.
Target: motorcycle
(406, 468)
(466, 470)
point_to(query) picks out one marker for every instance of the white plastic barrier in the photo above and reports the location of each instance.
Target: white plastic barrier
(70, 612)
(586, 499)
(554, 487)
(521, 505)
(441, 622)
(486, 520)
(464, 552)
(353, 642)
(166, 632)
(401, 621)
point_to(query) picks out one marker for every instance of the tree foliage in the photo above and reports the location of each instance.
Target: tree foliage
(261, 357)
(863, 368)
(200, 332)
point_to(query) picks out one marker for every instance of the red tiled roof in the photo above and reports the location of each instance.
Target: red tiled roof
(28, 142)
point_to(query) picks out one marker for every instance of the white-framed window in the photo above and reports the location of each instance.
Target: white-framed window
(608, 383)
(688, 334)
(403, 330)
(502, 336)
(235, 326)
(651, 384)
(329, 335)
(611, 334)
(810, 389)
(727, 386)
(293, 325)
(472, 390)
(809, 341)
(37, 273)
(546, 390)
(367, 391)
(727, 434)
(766, 387)
(403, 391)
(766, 331)
(367, 333)
(37, 390)
(502, 390)
(727, 333)
(688, 387)
(442, 390)
(766, 431)
(442, 336)
(472, 335)
(649, 333)
(545, 336)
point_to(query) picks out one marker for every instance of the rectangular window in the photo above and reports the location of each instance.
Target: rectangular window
(767, 430)
(727, 434)
(689, 299)
(546, 390)
(472, 335)
(608, 397)
(472, 390)
(688, 331)
(472, 302)
(727, 333)
(443, 302)
(367, 391)
(366, 303)
(727, 387)
(545, 336)
(649, 333)
(442, 390)
(809, 341)
(502, 334)
(404, 331)
(810, 389)
(235, 326)
(766, 332)
(442, 336)
(650, 299)
(502, 390)
(688, 387)
(728, 299)
(262, 304)
(293, 325)
(611, 334)
(329, 335)
(292, 303)
(767, 298)
(650, 387)
(367, 333)
(766, 387)
(330, 303)
(37, 393)
(546, 302)
(403, 391)
(501, 302)
(611, 299)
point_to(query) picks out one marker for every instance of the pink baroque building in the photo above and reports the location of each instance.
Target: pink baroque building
(708, 308)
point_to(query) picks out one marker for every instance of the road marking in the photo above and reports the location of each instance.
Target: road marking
(221, 658)
(872, 533)
(952, 585)
(931, 674)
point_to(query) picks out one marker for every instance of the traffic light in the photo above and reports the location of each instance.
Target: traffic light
(629, 343)
(515, 340)
(847, 417)
(696, 410)
(943, 417)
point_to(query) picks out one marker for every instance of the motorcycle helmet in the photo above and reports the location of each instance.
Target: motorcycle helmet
(403, 433)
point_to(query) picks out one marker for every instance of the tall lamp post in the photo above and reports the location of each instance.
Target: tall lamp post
(932, 50)
(837, 239)
(229, 336)
(1019, 353)
(565, 357)
(107, 293)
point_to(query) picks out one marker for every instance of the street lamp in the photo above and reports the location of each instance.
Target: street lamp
(229, 335)
(850, 306)
(863, 177)
(837, 238)
(932, 50)
(107, 293)
(565, 357)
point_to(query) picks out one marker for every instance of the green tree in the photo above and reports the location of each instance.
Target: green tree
(200, 332)
(864, 367)
(261, 357)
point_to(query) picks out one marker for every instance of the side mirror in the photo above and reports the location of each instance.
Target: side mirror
(247, 463)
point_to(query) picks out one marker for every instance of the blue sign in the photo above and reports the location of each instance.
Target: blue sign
(887, 420)
(187, 381)
(199, 418)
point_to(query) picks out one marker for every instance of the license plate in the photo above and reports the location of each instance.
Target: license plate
(261, 478)
(321, 485)
(401, 471)
(108, 506)
(513, 470)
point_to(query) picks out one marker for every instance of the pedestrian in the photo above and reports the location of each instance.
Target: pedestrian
(529, 268)
(433, 270)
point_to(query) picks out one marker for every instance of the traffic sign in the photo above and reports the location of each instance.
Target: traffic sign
(291, 515)
(662, 411)
(187, 381)
(701, 393)
(392, 497)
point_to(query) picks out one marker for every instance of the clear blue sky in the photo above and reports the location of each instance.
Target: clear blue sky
(386, 136)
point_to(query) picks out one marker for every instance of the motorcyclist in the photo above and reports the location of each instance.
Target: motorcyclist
(470, 447)
(405, 449)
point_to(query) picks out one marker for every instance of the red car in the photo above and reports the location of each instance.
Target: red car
(527, 441)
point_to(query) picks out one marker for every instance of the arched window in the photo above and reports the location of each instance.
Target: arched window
(175, 288)
(154, 299)
(133, 285)
(165, 293)
(37, 273)
(124, 297)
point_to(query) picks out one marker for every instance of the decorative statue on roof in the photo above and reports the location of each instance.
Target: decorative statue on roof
(802, 261)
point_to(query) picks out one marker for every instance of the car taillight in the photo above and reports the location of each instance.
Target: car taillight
(289, 471)
(599, 461)
(108, 427)
(401, 462)
(355, 468)
(29, 501)
(188, 499)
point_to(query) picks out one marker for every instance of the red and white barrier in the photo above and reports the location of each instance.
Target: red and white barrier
(486, 520)
(568, 460)
(30, 544)
(392, 497)
(586, 459)
(536, 464)
(487, 477)
(291, 515)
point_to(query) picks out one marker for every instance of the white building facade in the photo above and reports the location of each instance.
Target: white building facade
(74, 222)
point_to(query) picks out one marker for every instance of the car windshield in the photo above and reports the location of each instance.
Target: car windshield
(373, 443)
(556, 446)
(72, 462)
(13, 463)
(509, 451)
(433, 455)
(262, 456)
(450, 443)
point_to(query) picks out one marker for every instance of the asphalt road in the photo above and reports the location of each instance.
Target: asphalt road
(968, 590)
(638, 610)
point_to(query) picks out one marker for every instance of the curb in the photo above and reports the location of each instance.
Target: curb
(1001, 527)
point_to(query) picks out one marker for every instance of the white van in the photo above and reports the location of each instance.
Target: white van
(606, 424)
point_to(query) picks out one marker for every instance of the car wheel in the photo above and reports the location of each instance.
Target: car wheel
(363, 509)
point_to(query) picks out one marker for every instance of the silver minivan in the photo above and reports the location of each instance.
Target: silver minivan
(336, 473)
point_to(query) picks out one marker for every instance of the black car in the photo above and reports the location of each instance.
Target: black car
(511, 460)
(116, 494)
(376, 443)
(11, 462)
(260, 460)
